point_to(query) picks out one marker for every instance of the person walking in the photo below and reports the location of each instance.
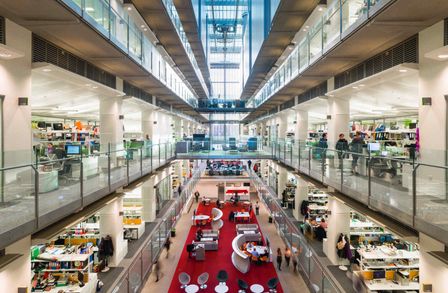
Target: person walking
(287, 255)
(356, 145)
(279, 259)
(341, 147)
(157, 269)
(249, 164)
(323, 146)
(196, 196)
(167, 246)
(257, 209)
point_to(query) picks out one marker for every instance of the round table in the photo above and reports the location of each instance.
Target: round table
(193, 288)
(221, 288)
(256, 288)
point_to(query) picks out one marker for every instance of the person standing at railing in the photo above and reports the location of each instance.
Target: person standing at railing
(323, 145)
(341, 147)
(356, 146)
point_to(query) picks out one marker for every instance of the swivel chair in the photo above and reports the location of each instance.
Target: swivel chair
(202, 279)
(272, 285)
(184, 279)
(222, 276)
(242, 286)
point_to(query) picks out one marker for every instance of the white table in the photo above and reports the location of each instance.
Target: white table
(193, 288)
(221, 288)
(259, 249)
(243, 216)
(206, 239)
(256, 288)
(200, 217)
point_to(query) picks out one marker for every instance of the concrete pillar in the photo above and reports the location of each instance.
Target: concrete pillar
(301, 195)
(17, 274)
(149, 200)
(178, 131)
(432, 271)
(338, 222)
(148, 123)
(15, 76)
(301, 126)
(433, 75)
(282, 180)
(111, 130)
(111, 223)
(339, 119)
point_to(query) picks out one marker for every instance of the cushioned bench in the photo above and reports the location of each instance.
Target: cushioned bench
(208, 245)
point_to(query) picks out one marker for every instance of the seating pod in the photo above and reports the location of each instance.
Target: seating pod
(240, 260)
(217, 222)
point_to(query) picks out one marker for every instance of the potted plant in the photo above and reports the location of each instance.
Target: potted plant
(270, 219)
(173, 232)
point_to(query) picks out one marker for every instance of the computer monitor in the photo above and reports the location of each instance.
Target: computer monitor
(379, 274)
(373, 146)
(384, 153)
(72, 149)
(58, 126)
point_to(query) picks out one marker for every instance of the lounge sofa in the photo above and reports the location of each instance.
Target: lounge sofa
(208, 245)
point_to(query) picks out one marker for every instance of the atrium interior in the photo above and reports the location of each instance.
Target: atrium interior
(223, 146)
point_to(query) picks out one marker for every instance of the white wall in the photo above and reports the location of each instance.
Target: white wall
(163, 130)
(209, 188)
(18, 273)
(15, 77)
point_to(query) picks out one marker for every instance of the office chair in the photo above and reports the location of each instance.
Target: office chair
(272, 285)
(222, 276)
(243, 286)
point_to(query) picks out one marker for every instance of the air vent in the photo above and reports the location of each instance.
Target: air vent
(445, 32)
(44, 51)
(405, 52)
(134, 91)
(314, 92)
(2, 30)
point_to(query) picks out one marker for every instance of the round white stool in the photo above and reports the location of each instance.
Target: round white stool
(221, 288)
(192, 288)
(256, 288)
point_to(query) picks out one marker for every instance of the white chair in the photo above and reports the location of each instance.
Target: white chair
(184, 279)
(202, 280)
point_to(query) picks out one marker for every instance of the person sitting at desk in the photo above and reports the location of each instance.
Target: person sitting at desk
(255, 253)
(199, 234)
(265, 253)
(249, 245)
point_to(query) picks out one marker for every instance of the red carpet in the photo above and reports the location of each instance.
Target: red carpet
(221, 259)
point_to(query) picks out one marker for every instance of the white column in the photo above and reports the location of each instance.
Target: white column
(301, 126)
(149, 200)
(433, 76)
(339, 111)
(111, 126)
(301, 195)
(111, 223)
(148, 123)
(282, 127)
(281, 179)
(17, 274)
(179, 171)
(15, 76)
(432, 271)
(338, 222)
(178, 133)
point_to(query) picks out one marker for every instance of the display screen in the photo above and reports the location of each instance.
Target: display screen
(73, 149)
(374, 146)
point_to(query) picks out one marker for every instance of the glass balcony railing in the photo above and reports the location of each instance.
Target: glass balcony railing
(142, 263)
(310, 263)
(172, 12)
(38, 194)
(338, 21)
(115, 24)
(403, 187)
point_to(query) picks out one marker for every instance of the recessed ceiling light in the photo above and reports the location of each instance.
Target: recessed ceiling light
(304, 29)
(142, 26)
(307, 26)
(361, 85)
(129, 8)
(46, 70)
(87, 84)
(403, 70)
(90, 9)
(94, 87)
(5, 55)
(443, 56)
(355, 87)
(320, 9)
(145, 29)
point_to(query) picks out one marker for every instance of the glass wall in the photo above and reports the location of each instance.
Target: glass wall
(339, 19)
(163, 193)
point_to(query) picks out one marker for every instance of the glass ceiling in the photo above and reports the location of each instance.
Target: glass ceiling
(226, 23)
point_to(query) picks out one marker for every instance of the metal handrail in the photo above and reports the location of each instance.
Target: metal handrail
(288, 222)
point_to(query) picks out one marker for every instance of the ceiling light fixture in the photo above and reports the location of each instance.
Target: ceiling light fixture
(46, 70)
(129, 8)
(361, 85)
(320, 9)
(87, 84)
(442, 56)
(304, 29)
(403, 70)
(355, 87)
(94, 87)
(90, 9)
